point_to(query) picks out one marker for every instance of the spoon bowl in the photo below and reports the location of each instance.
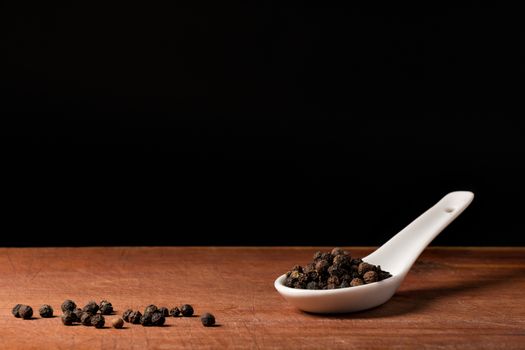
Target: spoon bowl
(395, 256)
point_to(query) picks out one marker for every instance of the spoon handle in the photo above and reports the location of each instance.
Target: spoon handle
(401, 251)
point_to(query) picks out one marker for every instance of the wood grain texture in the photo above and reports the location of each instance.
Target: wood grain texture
(467, 298)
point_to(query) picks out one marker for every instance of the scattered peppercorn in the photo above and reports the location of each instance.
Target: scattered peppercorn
(207, 319)
(145, 320)
(150, 308)
(78, 313)
(97, 321)
(91, 307)
(175, 312)
(117, 323)
(45, 311)
(25, 311)
(85, 319)
(186, 310)
(68, 317)
(125, 315)
(157, 318)
(164, 311)
(15, 309)
(134, 317)
(105, 308)
(68, 305)
(88, 316)
(336, 269)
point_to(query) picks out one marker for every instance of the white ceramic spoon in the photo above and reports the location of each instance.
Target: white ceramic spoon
(395, 256)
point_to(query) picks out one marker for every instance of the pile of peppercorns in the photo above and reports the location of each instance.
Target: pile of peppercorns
(336, 269)
(88, 315)
(92, 314)
(156, 316)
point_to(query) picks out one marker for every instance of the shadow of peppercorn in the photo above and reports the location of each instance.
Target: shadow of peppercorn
(407, 301)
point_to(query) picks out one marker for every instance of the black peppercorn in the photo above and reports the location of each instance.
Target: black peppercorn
(335, 270)
(370, 277)
(117, 323)
(164, 311)
(45, 311)
(68, 317)
(175, 312)
(68, 305)
(309, 268)
(317, 256)
(207, 319)
(297, 268)
(134, 317)
(85, 319)
(15, 309)
(328, 257)
(150, 308)
(145, 320)
(337, 251)
(157, 318)
(78, 313)
(342, 261)
(301, 281)
(346, 277)
(91, 307)
(356, 282)
(186, 310)
(312, 276)
(125, 315)
(312, 285)
(344, 284)
(333, 280)
(365, 267)
(105, 308)
(357, 261)
(25, 311)
(322, 266)
(98, 321)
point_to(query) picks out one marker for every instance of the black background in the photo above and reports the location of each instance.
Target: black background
(258, 124)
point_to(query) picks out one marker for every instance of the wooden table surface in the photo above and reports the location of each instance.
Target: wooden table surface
(453, 298)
